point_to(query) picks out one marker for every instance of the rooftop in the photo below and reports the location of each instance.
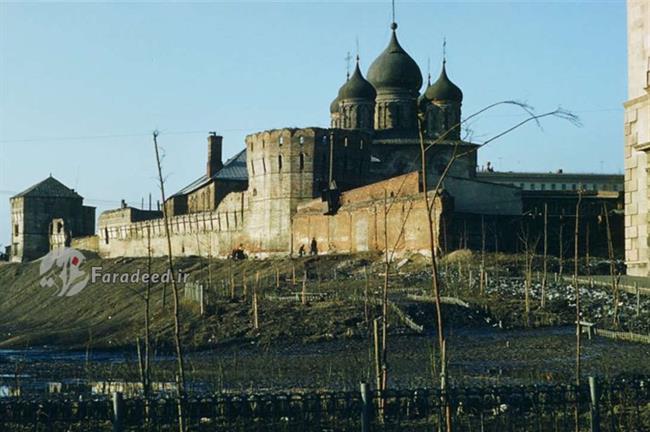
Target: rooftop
(50, 188)
(233, 170)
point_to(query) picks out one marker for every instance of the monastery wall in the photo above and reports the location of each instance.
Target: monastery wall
(215, 233)
(361, 224)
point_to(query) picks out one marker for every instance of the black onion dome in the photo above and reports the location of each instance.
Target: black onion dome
(394, 68)
(422, 102)
(443, 89)
(357, 87)
(334, 106)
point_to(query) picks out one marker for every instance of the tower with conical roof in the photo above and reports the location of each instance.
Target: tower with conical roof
(397, 79)
(356, 102)
(441, 107)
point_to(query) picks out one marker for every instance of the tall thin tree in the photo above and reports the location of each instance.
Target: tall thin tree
(180, 374)
(545, 259)
(612, 265)
(576, 264)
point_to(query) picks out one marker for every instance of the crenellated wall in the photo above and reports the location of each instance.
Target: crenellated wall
(126, 232)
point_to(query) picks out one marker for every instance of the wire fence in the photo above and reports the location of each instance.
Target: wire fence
(622, 405)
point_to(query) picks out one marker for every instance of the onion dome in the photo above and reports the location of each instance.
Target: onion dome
(357, 87)
(394, 68)
(443, 89)
(334, 106)
(423, 102)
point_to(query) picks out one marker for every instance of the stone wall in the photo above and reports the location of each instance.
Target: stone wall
(391, 212)
(87, 243)
(637, 139)
(127, 232)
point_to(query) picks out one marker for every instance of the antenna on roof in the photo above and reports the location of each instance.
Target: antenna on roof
(348, 59)
(444, 51)
(357, 43)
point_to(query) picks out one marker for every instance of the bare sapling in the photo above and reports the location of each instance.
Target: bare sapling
(545, 259)
(378, 367)
(146, 375)
(612, 267)
(529, 248)
(561, 246)
(587, 252)
(231, 280)
(366, 312)
(256, 320)
(244, 285)
(384, 303)
(482, 271)
(576, 285)
(180, 375)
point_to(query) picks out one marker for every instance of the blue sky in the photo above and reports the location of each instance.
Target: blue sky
(82, 85)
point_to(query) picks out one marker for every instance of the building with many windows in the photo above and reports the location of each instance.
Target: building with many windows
(557, 181)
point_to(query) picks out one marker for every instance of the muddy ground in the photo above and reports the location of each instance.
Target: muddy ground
(325, 343)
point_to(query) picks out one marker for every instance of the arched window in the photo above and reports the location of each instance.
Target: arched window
(279, 162)
(106, 235)
(302, 161)
(302, 140)
(281, 140)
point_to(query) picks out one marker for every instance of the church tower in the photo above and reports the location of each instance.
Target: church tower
(441, 106)
(357, 102)
(397, 79)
